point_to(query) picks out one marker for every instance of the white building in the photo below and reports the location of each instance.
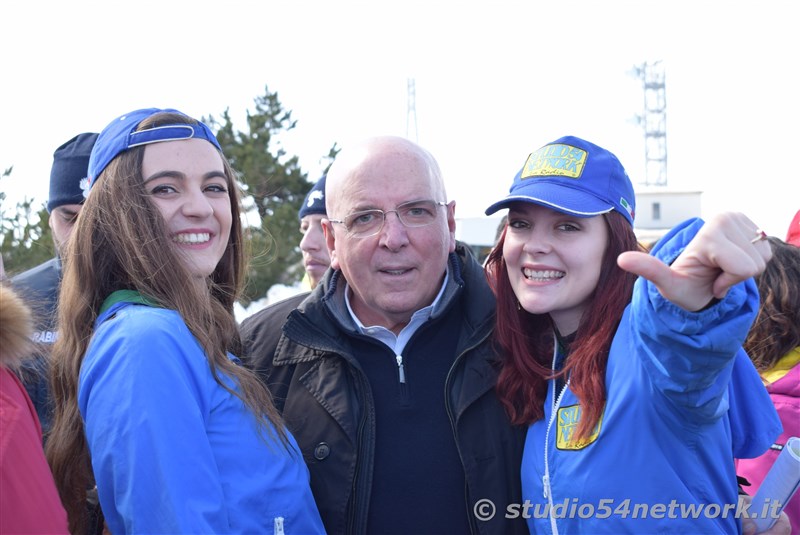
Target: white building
(658, 209)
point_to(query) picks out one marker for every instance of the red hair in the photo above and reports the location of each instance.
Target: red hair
(526, 340)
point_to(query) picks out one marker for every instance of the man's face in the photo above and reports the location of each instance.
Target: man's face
(315, 251)
(399, 270)
(62, 221)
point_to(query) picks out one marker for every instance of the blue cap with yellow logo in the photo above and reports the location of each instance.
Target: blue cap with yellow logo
(572, 176)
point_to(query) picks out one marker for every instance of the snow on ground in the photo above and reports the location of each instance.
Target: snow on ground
(277, 293)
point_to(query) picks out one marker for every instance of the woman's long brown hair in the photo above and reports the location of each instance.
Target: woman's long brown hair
(120, 241)
(776, 330)
(526, 340)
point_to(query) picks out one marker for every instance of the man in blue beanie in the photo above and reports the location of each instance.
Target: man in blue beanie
(39, 285)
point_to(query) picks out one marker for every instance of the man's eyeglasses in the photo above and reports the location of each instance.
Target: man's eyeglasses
(370, 222)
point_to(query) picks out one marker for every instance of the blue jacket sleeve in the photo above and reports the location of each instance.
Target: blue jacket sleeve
(755, 424)
(145, 393)
(689, 355)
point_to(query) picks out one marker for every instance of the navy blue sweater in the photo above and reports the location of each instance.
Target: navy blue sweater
(413, 448)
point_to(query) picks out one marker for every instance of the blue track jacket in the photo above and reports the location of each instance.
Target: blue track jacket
(173, 451)
(683, 400)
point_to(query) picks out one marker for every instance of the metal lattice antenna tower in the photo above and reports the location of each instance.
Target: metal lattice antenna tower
(411, 112)
(654, 121)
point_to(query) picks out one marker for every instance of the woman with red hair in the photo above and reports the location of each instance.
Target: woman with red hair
(625, 382)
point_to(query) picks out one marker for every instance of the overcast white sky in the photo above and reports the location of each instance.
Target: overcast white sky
(494, 81)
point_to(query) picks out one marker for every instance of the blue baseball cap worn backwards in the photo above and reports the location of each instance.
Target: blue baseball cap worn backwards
(572, 176)
(121, 135)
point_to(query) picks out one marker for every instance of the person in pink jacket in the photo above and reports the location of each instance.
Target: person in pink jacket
(29, 501)
(774, 347)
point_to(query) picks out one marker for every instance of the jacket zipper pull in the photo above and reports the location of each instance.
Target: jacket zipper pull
(545, 484)
(402, 371)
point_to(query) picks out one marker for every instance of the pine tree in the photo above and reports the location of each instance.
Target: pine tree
(275, 185)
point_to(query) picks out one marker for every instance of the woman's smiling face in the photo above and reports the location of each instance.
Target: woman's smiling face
(554, 261)
(186, 180)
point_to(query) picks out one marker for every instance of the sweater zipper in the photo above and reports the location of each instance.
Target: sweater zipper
(402, 386)
(400, 370)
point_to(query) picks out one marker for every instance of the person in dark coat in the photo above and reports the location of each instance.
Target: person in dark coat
(39, 285)
(385, 373)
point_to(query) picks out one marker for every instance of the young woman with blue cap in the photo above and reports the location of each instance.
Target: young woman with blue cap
(151, 404)
(627, 384)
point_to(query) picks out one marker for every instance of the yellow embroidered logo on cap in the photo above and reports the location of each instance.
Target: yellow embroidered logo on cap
(555, 160)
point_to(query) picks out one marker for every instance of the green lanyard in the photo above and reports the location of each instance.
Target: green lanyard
(126, 296)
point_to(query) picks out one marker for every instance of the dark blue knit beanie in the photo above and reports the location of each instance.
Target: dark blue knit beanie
(314, 202)
(70, 165)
